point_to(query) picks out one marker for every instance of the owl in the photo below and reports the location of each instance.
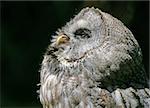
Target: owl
(94, 61)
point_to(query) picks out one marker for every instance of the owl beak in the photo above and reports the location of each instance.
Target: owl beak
(62, 39)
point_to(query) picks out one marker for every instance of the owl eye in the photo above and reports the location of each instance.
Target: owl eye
(82, 33)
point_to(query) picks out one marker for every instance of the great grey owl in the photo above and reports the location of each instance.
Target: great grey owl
(94, 61)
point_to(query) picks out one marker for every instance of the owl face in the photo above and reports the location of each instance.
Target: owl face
(79, 38)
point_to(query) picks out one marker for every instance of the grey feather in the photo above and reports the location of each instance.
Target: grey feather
(100, 67)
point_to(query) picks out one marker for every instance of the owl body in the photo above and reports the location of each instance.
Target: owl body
(93, 62)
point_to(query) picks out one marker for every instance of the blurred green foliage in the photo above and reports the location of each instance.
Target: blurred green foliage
(25, 33)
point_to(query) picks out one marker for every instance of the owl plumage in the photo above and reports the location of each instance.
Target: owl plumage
(94, 61)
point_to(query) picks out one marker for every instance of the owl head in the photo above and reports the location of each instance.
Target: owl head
(79, 36)
(97, 45)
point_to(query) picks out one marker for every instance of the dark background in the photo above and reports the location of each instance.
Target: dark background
(26, 28)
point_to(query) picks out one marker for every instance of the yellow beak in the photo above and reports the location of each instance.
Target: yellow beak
(62, 39)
